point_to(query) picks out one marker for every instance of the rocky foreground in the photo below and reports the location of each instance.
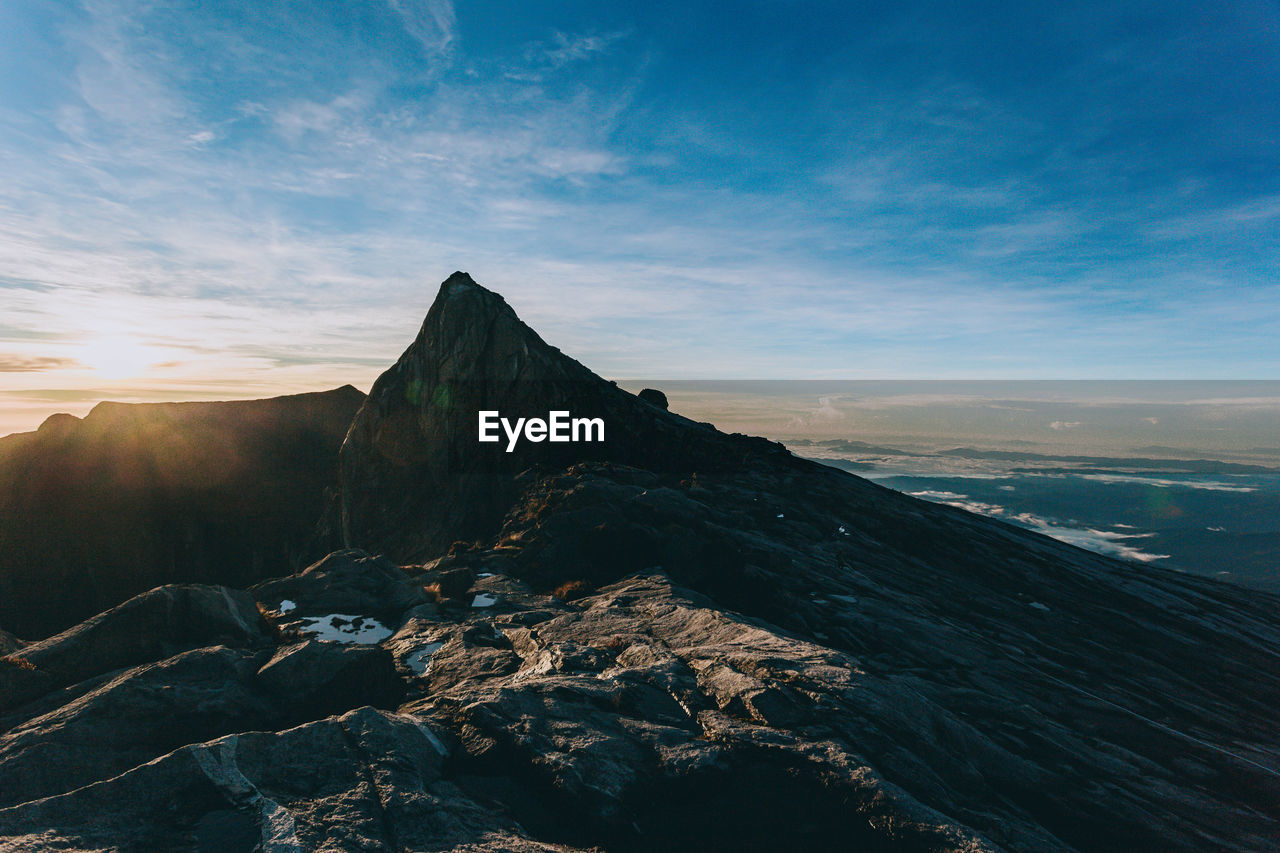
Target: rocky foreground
(674, 640)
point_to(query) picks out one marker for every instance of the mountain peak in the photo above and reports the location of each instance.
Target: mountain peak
(463, 294)
(417, 477)
(463, 280)
(461, 300)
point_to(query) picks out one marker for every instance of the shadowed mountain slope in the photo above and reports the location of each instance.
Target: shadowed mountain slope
(675, 640)
(415, 476)
(95, 510)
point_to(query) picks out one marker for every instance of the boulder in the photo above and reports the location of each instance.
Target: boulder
(348, 581)
(653, 397)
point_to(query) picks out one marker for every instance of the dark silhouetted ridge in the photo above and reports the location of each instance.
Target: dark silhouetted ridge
(97, 509)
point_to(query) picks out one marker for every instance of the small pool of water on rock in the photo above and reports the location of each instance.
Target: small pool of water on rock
(344, 628)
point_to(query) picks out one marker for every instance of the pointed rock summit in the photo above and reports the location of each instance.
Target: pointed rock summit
(416, 476)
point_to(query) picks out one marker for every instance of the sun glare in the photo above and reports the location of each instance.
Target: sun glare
(118, 357)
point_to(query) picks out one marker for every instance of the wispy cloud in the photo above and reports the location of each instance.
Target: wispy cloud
(541, 58)
(432, 23)
(1255, 213)
(1165, 483)
(10, 363)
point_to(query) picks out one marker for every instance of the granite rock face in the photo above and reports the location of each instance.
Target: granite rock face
(691, 642)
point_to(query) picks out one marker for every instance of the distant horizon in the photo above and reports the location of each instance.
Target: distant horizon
(736, 403)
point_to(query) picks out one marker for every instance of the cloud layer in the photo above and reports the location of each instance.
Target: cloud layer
(1116, 543)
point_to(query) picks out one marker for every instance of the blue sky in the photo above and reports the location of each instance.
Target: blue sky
(227, 199)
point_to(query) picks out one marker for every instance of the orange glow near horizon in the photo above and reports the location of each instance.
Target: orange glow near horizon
(131, 371)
